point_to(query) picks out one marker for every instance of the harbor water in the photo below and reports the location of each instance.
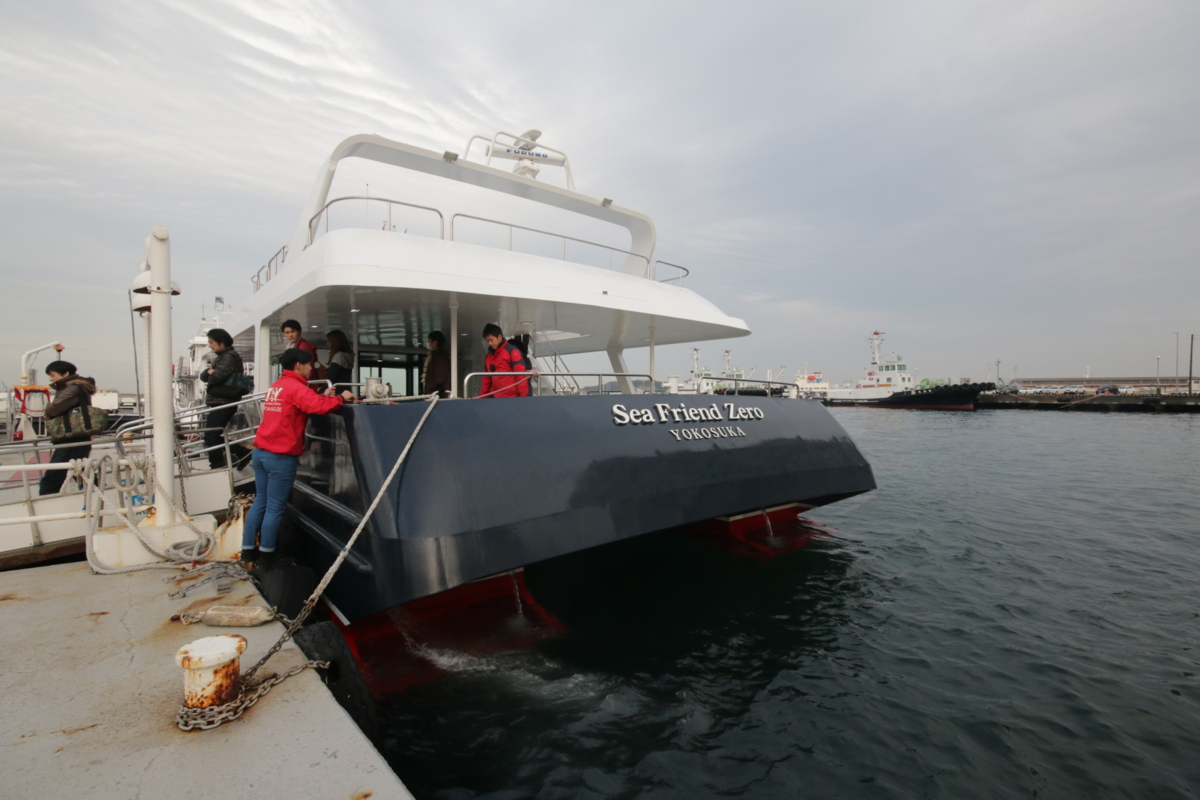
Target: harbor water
(1013, 613)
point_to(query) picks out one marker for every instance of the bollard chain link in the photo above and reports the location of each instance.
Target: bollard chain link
(204, 719)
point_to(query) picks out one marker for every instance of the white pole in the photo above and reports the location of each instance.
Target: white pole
(652, 373)
(158, 256)
(453, 344)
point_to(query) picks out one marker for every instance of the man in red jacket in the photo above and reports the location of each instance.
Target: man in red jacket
(502, 356)
(277, 448)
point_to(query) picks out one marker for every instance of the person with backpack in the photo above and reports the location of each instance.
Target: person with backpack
(277, 448)
(227, 383)
(71, 391)
(503, 356)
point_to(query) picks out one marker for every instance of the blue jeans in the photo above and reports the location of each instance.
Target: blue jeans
(274, 475)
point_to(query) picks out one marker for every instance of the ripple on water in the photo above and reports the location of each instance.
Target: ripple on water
(1012, 613)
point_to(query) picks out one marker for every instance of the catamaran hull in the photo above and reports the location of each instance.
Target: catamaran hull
(492, 485)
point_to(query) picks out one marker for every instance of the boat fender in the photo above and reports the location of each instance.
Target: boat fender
(229, 616)
(286, 587)
(323, 641)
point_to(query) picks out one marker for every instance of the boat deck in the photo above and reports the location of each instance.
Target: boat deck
(89, 690)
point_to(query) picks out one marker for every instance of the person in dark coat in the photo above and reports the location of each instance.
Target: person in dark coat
(436, 375)
(70, 391)
(340, 372)
(223, 388)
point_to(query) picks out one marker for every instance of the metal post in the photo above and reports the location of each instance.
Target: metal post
(652, 372)
(454, 340)
(1176, 358)
(354, 335)
(146, 374)
(158, 256)
(1191, 355)
(262, 357)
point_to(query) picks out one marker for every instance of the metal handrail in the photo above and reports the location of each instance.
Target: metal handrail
(683, 272)
(596, 375)
(562, 236)
(272, 267)
(324, 210)
(795, 390)
(135, 425)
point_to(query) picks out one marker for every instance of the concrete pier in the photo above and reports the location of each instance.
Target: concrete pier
(89, 690)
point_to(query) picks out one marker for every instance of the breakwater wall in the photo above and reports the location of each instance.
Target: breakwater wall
(1100, 403)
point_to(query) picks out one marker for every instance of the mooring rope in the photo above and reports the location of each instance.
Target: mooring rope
(253, 690)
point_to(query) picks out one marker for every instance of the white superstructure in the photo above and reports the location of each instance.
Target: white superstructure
(387, 290)
(883, 377)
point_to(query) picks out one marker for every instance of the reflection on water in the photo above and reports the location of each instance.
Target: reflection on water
(1013, 612)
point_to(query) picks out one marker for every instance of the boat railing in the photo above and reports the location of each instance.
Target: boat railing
(537, 385)
(270, 269)
(683, 272)
(314, 226)
(635, 257)
(713, 385)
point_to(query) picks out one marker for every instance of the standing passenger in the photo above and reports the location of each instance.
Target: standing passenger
(294, 335)
(436, 375)
(502, 356)
(277, 449)
(340, 372)
(224, 387)
(70, 391)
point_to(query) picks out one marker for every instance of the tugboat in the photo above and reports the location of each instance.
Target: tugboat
(888, 383)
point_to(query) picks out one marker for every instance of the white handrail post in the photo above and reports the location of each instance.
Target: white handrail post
(158, 256)
(453, 345)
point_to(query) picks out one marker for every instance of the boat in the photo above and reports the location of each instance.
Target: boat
(490, 485)
(889, 383)
(495, 485)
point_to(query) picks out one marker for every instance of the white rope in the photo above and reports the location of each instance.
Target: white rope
(253, 690)
(505, 388)
(178, 554)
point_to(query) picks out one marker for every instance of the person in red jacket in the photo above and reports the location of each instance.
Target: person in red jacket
(502, 356)
(277, 448)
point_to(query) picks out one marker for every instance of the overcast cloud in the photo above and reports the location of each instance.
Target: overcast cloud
(982, 181)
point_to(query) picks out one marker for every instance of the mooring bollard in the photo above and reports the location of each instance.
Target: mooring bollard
(212, 671)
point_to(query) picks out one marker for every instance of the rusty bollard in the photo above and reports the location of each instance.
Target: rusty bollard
(212, 671)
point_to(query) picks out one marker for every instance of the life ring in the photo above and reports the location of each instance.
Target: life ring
(24, 393)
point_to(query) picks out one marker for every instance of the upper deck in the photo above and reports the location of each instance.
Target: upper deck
(393, 287)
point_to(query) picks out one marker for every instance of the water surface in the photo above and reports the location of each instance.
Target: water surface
(1012, 613)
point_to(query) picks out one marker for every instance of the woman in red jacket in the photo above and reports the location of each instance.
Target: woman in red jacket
(277, 448)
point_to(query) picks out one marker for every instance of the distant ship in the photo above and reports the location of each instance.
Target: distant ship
(888, 383)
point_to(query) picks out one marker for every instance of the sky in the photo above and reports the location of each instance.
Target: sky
(983, 181)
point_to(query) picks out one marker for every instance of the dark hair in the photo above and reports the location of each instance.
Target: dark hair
(61, 367)
(291, 323)
(492, 329)
(221, 337)
(338, 343)
(294, 356)
(439, 338)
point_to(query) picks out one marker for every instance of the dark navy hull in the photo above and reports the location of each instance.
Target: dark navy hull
(491, 485)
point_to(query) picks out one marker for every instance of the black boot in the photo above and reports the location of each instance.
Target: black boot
(267, 561)
(249, 555)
